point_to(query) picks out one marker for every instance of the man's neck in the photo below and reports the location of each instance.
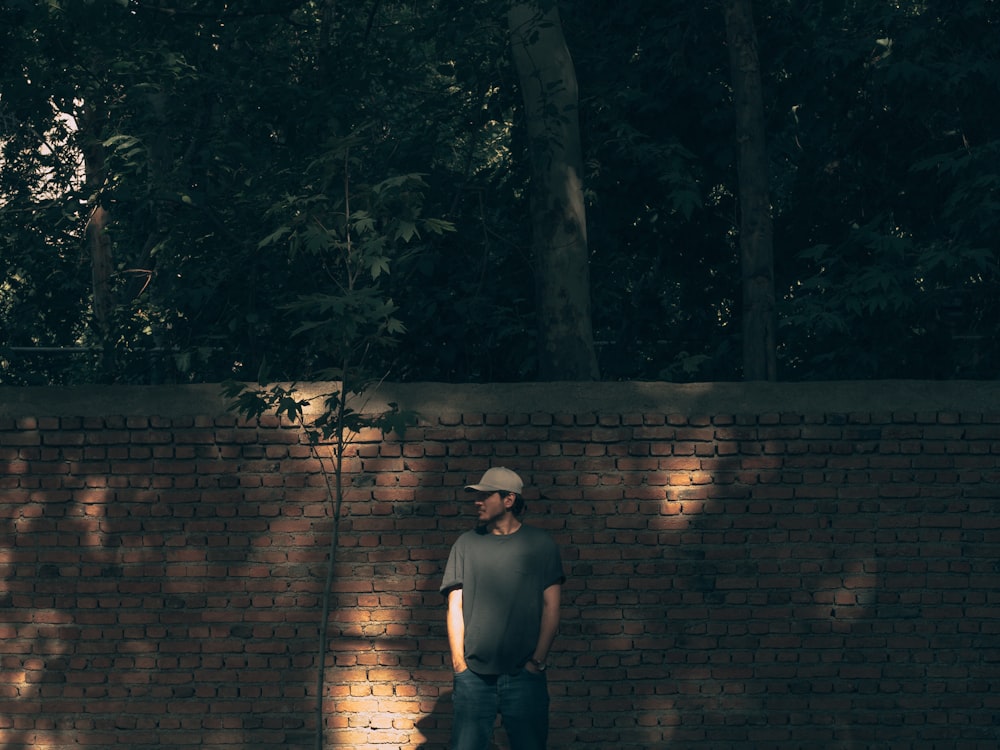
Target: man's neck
(505, 525)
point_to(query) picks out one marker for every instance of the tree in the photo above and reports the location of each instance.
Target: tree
(881, 164)
(756, 236)
(96, 231)
(891, 204)
(558, 215)
(353, 233)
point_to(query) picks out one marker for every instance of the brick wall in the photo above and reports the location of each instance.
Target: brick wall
(749, 566)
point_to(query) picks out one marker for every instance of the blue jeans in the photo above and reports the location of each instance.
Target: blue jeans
(521, 699)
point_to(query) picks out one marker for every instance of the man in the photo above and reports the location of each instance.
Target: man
(503, 581)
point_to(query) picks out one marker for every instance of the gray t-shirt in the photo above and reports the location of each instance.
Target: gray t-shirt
(502, 578)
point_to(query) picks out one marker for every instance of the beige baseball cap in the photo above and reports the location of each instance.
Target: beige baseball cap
(498, 479)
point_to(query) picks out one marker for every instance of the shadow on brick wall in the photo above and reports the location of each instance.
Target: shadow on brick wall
(782, 580)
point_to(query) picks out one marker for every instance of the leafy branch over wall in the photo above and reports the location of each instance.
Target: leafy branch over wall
(348, 237)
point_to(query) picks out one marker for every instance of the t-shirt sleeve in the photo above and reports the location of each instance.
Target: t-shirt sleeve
(554, 569)
(454, 569)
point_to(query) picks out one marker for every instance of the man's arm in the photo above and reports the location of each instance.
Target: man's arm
(551, 601)
(456, 630)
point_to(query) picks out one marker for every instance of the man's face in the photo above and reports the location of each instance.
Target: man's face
(490, 506)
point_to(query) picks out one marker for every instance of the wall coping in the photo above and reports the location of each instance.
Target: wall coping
(878, 396)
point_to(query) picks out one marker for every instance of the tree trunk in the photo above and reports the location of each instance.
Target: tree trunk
(98, 240)
(756, 233)
(558, 217)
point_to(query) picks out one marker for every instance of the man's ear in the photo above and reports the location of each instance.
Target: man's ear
(512, 498)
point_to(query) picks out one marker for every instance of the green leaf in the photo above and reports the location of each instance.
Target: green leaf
(273, 238)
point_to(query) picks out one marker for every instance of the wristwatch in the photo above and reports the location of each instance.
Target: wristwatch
(541, 666)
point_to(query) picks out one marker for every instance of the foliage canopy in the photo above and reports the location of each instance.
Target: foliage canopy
(225, 140)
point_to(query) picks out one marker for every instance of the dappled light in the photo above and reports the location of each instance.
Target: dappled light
(803, 572)
(737, 325)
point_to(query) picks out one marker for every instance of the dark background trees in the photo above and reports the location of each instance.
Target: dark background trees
(223, 144)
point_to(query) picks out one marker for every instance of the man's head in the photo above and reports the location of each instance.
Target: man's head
(505, 483)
